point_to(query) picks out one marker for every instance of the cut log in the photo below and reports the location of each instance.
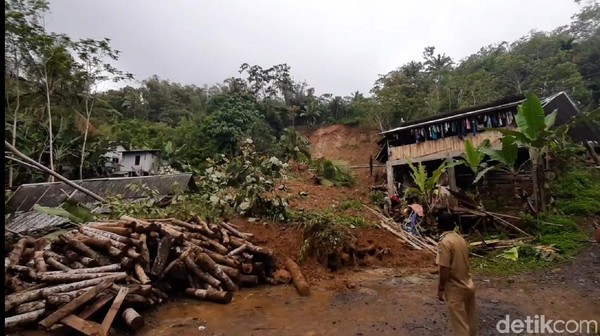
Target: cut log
(299, 281)
(73, 277)
(205, 228)
(137, 299)
(121, 231)
(87, 328)
(40, 264)
(26, 255)
(30, 272)
(206, 277)
(131, 253)
(102, 232)
(189, 226)
(76, 303)
(210, 295)
(99, 269)
(58, 257)
(133, 319)
(115, 252)
(162, 256)
(210, 266)
(15, 255)
(247, 280)
(233, 273)
(17, 320)
(126, 262)
(15, 283)
(114, 308)
(145, 252)
(84, 249)
(237, 242)
(141, 275)
(235, 232)
(134, 235)
(55, 264)
(98, 234)
(76, 265)
(224, 236)
(154, 234)
(30, 306)
(13, 300)
(99, 243)
(63, 298)
(247, 268)
(237, 250)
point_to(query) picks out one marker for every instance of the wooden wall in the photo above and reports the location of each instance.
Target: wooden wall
(451, 145)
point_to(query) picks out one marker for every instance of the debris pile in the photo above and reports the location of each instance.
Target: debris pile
(134, 264)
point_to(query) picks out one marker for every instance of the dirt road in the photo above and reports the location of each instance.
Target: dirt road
(387, 302)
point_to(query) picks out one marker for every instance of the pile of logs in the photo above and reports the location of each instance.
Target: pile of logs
(133, 264)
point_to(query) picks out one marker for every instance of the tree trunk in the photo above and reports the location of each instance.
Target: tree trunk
(210, 295)
(297, 277)
(57, 264)
(50, 135)
(205, 277)
(162, 256)
(141, 275)
(210, 266)
(15, 255)
(247, 280)
(13, 321)
(15, 117)
(133, 319)
(88, 113)
(37, 165)
(30, 306)
(73, 277)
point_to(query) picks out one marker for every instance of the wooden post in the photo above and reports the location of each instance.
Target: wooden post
(71, 306)
(451, 174)
(389, 169)
(114, 308)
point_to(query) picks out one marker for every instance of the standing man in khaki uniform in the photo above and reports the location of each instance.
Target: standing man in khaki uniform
(456, 287)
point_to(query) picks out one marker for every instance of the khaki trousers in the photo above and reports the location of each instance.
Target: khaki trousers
(461, 306)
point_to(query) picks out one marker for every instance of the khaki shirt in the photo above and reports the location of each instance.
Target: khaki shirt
(454, 254)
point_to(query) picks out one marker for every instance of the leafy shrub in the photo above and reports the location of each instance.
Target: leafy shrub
(577, 192)
(334, 173)
(323, 234)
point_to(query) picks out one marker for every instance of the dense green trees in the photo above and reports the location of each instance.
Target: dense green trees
(55, 114)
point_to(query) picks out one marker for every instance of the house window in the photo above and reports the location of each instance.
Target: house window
(137, 160)
(115, 160)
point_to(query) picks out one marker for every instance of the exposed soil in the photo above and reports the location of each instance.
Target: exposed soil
(386, 301)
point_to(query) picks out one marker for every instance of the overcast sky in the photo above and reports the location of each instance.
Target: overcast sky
(336, 46)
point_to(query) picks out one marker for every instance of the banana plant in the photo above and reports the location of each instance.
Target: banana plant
(533, 132)
(425, 184)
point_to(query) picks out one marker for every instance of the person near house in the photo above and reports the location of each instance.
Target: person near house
(455, 286)
(390, 204)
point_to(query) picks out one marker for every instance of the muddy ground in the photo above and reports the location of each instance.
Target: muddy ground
(386, 301)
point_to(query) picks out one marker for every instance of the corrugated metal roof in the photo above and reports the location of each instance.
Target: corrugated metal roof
(33, 221)
(54, 194)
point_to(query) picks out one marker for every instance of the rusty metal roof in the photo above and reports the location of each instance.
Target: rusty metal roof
(54, 194)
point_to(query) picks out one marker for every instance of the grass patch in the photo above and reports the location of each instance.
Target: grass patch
(351, 204)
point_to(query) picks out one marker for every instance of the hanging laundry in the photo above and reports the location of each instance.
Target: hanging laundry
(467, 124)
(488, 122)
(475, 123)
(461, 131)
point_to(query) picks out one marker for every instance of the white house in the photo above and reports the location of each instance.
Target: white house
(134, 162)
(141, 161)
